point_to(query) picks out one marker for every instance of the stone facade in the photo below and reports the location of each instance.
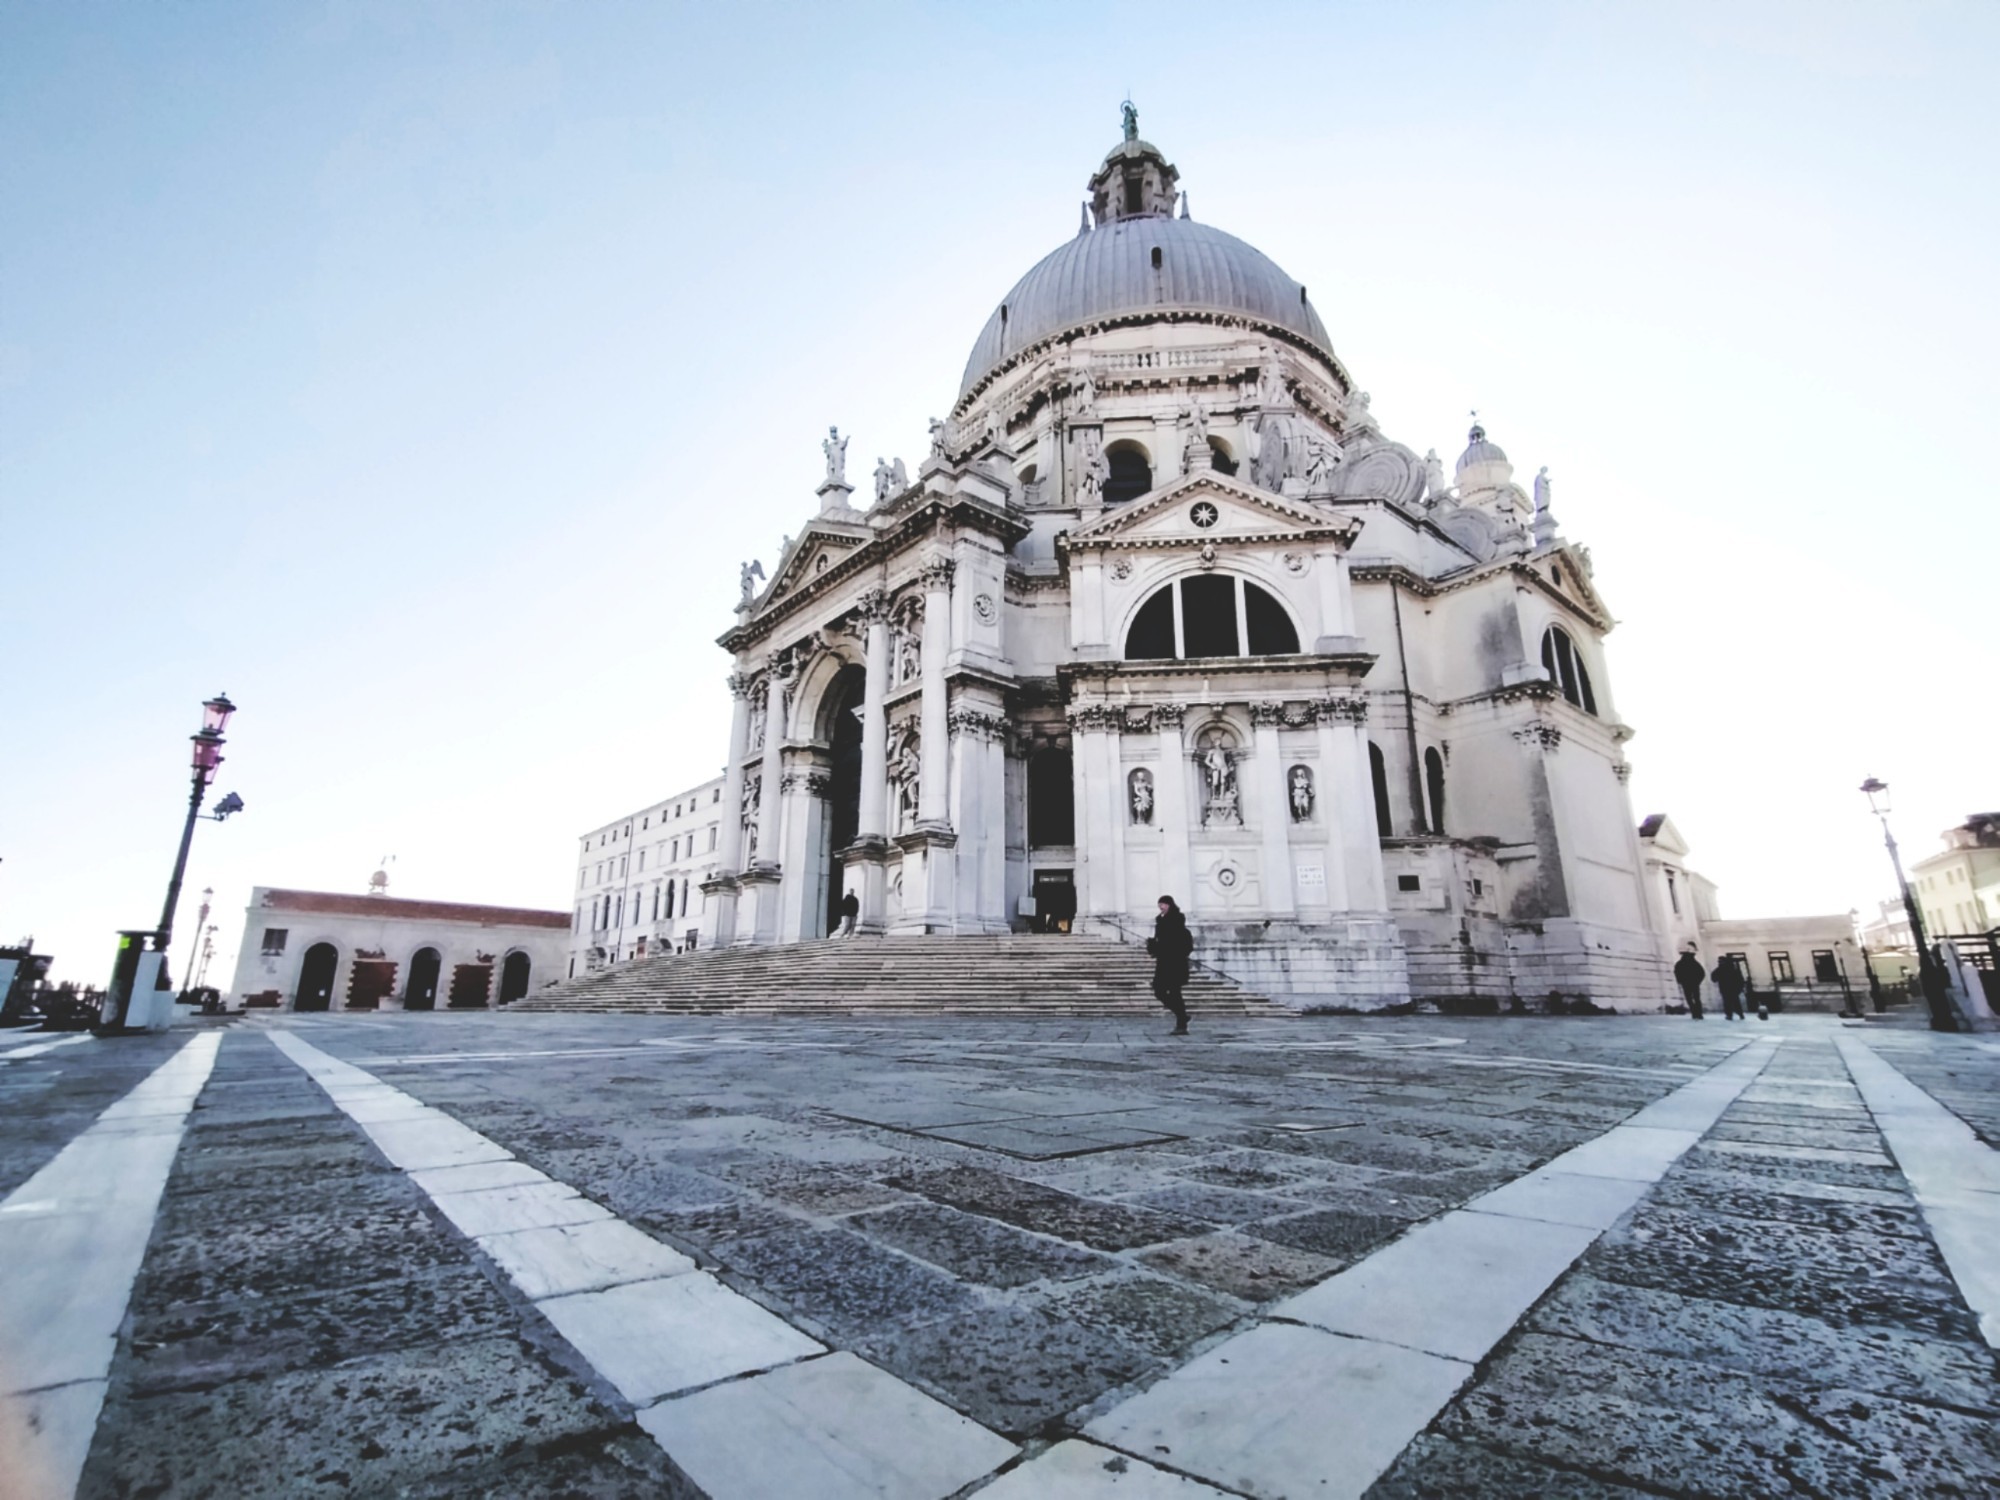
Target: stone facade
(1164, 610)
(328, 950)
(639, 880)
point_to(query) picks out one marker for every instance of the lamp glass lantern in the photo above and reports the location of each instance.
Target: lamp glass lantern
(1878, 796)
(207, 754)
(215, 714)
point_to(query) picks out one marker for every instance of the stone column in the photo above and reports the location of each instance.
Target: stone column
(933, 804)
(1349, 795)
(978, 813)
(773, 770)
(873, 822)
(1170, 796)
(1100, 815)
(729, 855)
(1274, 811)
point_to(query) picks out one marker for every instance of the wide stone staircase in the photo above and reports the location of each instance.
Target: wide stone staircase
(1015, 974)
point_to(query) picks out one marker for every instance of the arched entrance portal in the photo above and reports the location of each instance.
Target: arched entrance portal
(843, 794)
(315, 991)
(514, 978)
(422, 991)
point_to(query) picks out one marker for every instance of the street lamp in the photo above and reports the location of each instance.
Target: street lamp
(1928, 975)
(208, 743)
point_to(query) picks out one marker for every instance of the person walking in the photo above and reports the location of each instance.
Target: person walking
(850, 910)
(1688, 973)
(1170, 945)
(1729, 979)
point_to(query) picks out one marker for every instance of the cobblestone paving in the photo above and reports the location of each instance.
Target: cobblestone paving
(1031, 1223)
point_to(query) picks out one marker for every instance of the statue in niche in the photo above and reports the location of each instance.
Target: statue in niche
(1271, 390)
(906, 650)
(1083, 394)
(883, 479)
(1436, 488)
(835, 449)
(753, 792)
(905, 775)
(1141, 784)
(758, 713)
(1299, 789)
(752, 573)
(1273, 439)
(1217, 759)
(1197, 421)
(1090, 484)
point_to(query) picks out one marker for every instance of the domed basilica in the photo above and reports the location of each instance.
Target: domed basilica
(1165, 611)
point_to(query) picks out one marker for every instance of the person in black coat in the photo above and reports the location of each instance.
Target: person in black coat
(1170, 945)
(1689, 975)
(1729, 979)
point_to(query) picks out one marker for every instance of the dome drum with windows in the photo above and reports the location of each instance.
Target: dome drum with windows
(1166, 608)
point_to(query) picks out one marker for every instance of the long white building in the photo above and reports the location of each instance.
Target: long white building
(639, 878)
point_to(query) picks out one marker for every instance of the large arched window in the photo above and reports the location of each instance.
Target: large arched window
(1565, 667)
(1210, 614)
(1131, 473)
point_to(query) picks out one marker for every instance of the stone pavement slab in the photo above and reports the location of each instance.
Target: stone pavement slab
(1076, 1470)
(835, 1428)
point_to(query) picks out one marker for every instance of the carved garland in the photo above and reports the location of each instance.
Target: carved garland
(1540, 738)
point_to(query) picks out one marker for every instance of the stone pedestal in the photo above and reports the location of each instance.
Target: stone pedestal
(757, 916)
(929, 860)
(719, 897)
(865, 863)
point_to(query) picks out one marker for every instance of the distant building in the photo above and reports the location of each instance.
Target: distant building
(1810, 961)
(638, 881)
(329, 950)
(1958, 890)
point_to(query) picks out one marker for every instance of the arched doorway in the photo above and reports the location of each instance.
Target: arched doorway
(421, 993)
(843, 794)
(514, 977)
(315, 991)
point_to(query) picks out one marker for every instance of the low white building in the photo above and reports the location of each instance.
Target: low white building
(638, 881)
(1812, 962)
(329, 950)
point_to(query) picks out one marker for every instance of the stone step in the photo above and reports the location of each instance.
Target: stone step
(996, 974)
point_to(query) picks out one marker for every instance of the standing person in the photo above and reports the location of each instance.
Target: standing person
(850, 910)
(1688, 973)
(1170, 945)
(1729, 979)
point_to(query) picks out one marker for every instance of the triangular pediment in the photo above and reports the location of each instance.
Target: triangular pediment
(1573, 580)
(823, 545)
(1659, 830)
(1207, 507)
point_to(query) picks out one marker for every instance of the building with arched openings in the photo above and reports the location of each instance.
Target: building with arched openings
(1165, 610)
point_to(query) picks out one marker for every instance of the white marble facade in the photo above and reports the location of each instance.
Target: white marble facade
(1164, 610)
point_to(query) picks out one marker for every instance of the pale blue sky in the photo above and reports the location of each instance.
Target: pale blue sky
(420, 373)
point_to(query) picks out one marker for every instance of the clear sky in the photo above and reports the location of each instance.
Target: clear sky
(420, 374)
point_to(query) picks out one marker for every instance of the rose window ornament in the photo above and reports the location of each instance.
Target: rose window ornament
(1204, 514)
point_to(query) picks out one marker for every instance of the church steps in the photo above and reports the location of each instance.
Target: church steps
(1012, 974)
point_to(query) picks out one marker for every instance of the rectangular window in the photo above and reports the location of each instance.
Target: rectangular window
(1208, 616)
(1673, 894)
(621, 865)
(1826, 968)
(1408, 883)
(718, 795)
(711, 839)
(642, 860)
(582, 876)
(677, 849)
(274, 940)
(1781, 968)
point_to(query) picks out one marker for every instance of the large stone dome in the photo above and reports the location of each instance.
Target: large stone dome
(1149, 264)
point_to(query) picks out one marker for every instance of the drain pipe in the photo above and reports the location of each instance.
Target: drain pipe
(1421, 819)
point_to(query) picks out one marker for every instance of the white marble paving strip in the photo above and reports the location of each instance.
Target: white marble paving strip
(1323, 1398)
(1954, 1175)
(71, 1240)
(36, 1049)
(1076, 1470)
(744, 1403)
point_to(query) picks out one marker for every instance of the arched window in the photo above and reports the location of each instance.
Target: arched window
(1210, 614)
(1565, 668)
(1131, 473)
(1218, 454)
(1434, 784)
(1378, 773)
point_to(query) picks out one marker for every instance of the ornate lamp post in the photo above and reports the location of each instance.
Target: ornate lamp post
(208, 743)
(1928, 975)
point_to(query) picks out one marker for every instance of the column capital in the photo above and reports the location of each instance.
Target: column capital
(742, 684)
(1538, 738)
(1267, 714)
(1169, 715)
(979, 725)
(1092, 718)
(935, 571)
(1339, 710)
(873, 606)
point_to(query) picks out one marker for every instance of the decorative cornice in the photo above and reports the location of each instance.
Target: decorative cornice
(1540, 738)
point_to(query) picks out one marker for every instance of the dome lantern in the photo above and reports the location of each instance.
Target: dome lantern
(1136, 180)
(1484, 464)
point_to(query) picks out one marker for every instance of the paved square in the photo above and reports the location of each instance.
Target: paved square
(560, 1254)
